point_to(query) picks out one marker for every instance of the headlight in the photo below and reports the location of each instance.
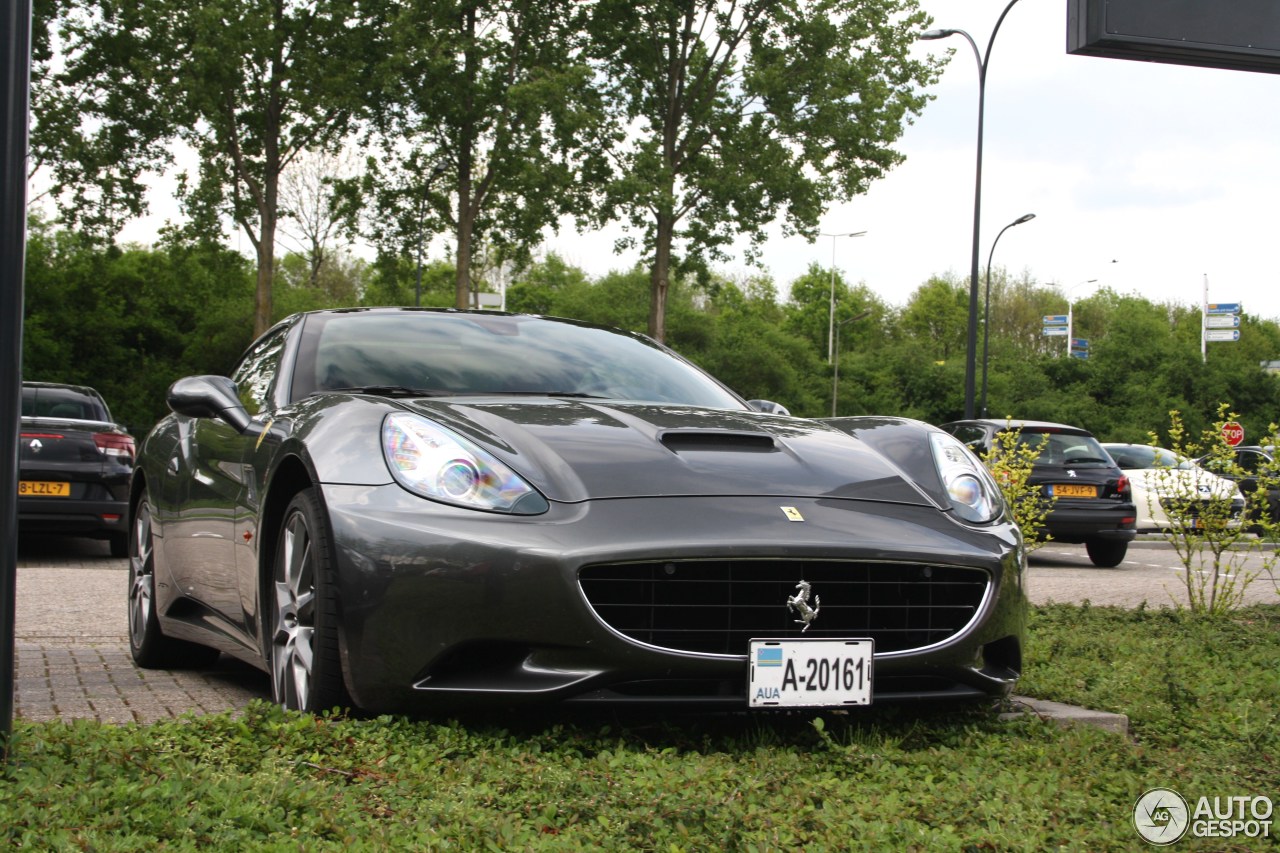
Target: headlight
(969, 486)
(433, 462)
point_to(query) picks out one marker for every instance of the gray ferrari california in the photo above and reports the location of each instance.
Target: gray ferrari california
(418, 510)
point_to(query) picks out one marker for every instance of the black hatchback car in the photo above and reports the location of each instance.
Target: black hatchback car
(74, 465)
(1093, 501)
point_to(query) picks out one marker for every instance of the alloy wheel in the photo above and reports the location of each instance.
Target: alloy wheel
(141, 576)
(293, 637)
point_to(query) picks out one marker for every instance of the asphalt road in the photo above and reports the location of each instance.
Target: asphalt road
(71, 627)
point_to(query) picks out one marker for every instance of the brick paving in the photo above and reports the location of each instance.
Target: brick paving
(72, 647)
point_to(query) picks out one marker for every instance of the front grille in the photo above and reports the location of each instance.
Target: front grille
(716, 606)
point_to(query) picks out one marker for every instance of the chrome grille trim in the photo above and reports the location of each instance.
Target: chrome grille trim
(715, 606)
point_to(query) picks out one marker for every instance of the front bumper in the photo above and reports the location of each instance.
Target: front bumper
(442, 607)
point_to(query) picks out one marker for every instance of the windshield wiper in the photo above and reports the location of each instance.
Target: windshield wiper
(385, 391)
(575, 394)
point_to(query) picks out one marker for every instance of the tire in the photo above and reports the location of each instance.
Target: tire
(306, 672)
(1105, 553)
(150, 648)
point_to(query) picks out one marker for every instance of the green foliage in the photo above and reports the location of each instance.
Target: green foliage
(1192, 685)
(937, 318)
(1209, 533)
(247, 85)
(130, 321)
(737, 115)
(1200, 696)
(486, 128)
(1010, 461)
(181, 308)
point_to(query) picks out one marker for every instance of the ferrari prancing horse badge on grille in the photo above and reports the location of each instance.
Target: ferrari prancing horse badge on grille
(800, 604)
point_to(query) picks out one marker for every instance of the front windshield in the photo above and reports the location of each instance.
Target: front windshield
(448, 354)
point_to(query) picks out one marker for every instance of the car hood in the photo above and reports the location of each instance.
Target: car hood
(579, 450)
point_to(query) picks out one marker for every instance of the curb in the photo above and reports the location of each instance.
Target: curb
(1067, 715)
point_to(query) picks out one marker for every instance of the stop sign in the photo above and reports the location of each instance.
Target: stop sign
(1232, 433)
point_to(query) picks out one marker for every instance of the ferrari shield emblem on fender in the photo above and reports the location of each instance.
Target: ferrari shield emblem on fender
(792, 513)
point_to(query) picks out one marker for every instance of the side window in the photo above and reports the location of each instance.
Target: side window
(256, 375)
(1249, 461)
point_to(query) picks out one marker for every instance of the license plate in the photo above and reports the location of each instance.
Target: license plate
(810, 673)
(42, 489)
(1073, 490)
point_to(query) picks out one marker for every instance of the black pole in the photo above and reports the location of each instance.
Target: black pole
(971, 345)
(971, 348)
(15, 35)
(986, 318)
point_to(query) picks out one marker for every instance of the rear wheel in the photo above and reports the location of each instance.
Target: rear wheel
(119, 543)
(306, 674)
(149, 646)
(1106, 553)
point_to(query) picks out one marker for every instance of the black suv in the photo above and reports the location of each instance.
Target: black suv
(1093, 502)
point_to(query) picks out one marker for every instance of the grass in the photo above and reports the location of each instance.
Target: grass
(1202, 696)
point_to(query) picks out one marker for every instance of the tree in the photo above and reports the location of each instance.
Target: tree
(539, 286)
(129, 321)
(89, 148)
(808, 310)
(483, 127)
(247, 84)
(936, 316)
(739, 112)
(312, 213)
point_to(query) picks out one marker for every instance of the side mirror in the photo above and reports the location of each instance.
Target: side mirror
(210, 397)
(769, 407)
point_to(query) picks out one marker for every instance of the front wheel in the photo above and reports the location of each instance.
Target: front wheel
(306, 674)
(149, 646)
(1106, 553)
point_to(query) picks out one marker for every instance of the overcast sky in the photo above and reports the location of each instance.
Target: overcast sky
(1171, 171)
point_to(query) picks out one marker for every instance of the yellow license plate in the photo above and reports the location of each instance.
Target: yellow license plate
(1073, 490)
(43, 489)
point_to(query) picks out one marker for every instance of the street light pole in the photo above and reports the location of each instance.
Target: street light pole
(971, 351)
(835, 365)
(831, 310)
(1071, 310)
(986, 312)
